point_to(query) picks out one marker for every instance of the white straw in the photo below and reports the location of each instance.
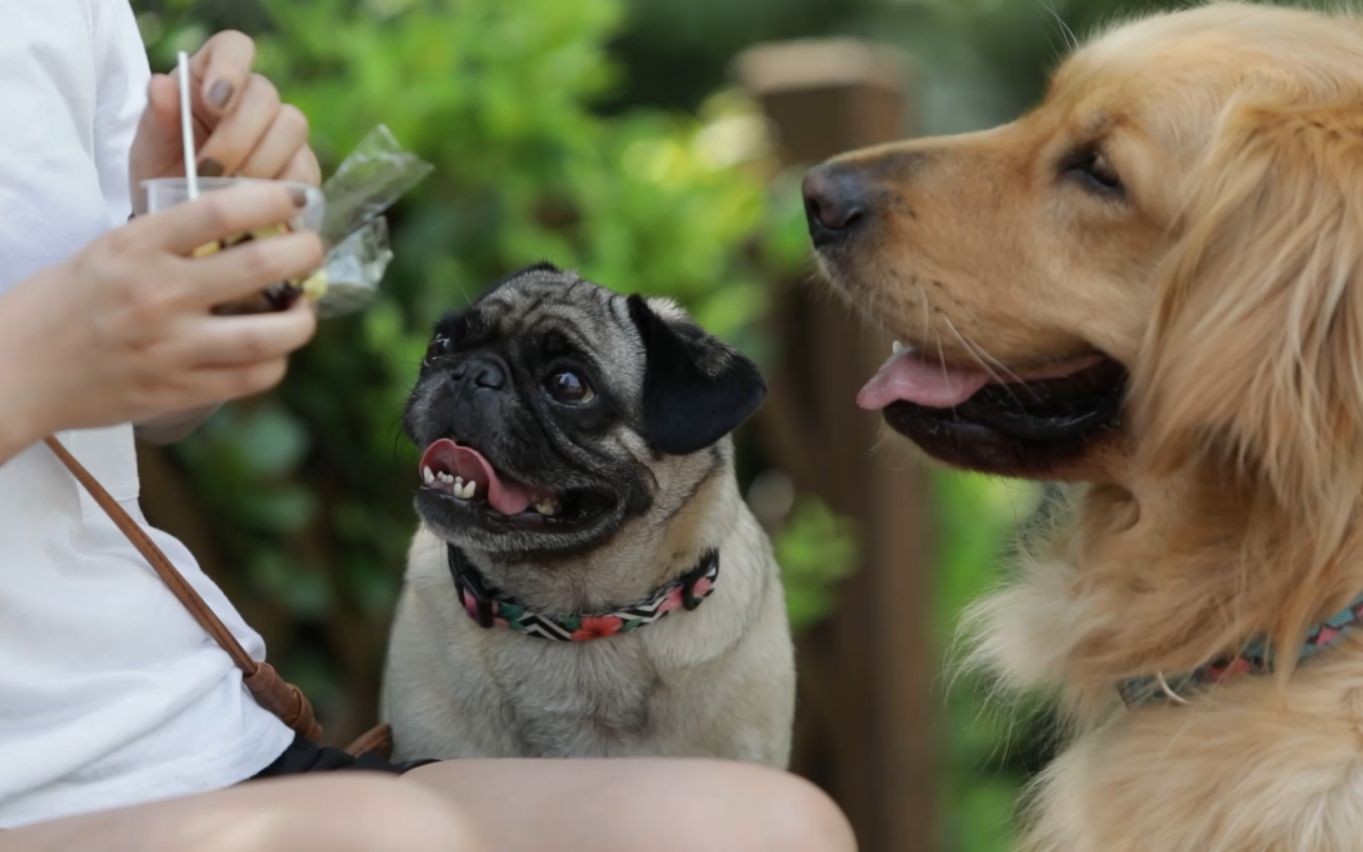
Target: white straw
(187, 130)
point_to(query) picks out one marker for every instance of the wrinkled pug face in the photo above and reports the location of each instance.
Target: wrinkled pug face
(553, 411)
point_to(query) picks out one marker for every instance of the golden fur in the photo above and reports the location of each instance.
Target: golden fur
(1230, 284)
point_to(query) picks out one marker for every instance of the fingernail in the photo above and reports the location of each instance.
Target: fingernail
(219, 94)
(209, 167)
(300, 198)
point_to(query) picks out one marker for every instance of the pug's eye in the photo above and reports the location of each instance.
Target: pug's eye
(441, 345)
(568, 387)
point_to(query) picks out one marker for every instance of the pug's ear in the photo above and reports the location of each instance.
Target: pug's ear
(697, 389)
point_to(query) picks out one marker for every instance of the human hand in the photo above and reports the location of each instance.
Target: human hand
(124, 331)
(240, 126)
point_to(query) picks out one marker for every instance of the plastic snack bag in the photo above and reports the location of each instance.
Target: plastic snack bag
(368, 182)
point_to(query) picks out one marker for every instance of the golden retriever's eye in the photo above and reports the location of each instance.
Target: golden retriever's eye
(1091, 169)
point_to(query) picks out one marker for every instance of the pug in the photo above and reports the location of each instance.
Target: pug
(586, 579)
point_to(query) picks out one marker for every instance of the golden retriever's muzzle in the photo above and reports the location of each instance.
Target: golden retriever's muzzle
(1038, 417)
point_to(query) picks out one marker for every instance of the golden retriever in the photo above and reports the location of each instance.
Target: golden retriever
(1152, 286)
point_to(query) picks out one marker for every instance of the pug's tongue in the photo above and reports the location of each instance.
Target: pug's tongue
(507, 497)
(912, 378)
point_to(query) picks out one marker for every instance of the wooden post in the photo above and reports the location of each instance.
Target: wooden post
(866, 699)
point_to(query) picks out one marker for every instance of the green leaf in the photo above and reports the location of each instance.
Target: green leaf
(281, 511)
(815, 550)
(270, 440)
(301, 589)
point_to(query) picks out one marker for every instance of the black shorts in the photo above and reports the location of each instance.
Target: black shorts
(303, 756)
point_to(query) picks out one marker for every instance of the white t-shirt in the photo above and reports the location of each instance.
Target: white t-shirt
(110, 693)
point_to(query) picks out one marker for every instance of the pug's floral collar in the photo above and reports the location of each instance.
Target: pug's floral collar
(1256, 658)
(493, 608)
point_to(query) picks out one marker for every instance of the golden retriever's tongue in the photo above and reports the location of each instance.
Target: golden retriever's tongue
(509, 498)
(910, 378)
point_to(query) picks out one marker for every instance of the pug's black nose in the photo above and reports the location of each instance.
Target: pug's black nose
(488, 374)
(835, 203)
(483, 371)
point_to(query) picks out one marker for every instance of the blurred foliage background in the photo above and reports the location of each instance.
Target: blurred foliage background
(606, 136)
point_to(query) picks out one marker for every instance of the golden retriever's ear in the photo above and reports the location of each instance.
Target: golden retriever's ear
(1255, 354)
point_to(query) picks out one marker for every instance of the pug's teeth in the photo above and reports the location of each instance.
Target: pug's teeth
(470, 489)
(547, 507)
(896, 348)
(428, 475)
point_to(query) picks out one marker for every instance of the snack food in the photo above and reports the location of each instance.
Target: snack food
(167, 192)
(276, 297)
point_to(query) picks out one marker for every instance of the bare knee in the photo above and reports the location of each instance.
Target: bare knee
(347, 812)
(770, 810)
(397, 814)
(799, 817)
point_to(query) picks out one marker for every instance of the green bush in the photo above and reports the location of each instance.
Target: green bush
(990, 746)
(309, 490)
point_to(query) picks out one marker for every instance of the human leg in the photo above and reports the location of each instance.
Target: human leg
(661, 805)
(336, 812)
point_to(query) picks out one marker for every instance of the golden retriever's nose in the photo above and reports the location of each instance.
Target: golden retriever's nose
(835, 202)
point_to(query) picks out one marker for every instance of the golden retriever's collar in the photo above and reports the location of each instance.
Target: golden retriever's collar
(1256, 658)
(492, 608)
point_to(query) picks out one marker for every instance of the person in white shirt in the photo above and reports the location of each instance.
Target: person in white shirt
(122, 725)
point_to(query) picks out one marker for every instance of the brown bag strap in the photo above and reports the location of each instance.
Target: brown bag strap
(272, 692)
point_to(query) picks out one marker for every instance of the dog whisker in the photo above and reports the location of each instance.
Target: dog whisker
(982, 358)
(983, 355)
(1066, 32)
(926, 312)
(991, 365)
(941, 357)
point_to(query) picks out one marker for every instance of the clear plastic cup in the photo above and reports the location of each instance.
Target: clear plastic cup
(163, 193)
(167, 192)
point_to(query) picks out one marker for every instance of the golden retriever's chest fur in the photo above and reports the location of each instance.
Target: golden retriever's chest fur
(1246, 767)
